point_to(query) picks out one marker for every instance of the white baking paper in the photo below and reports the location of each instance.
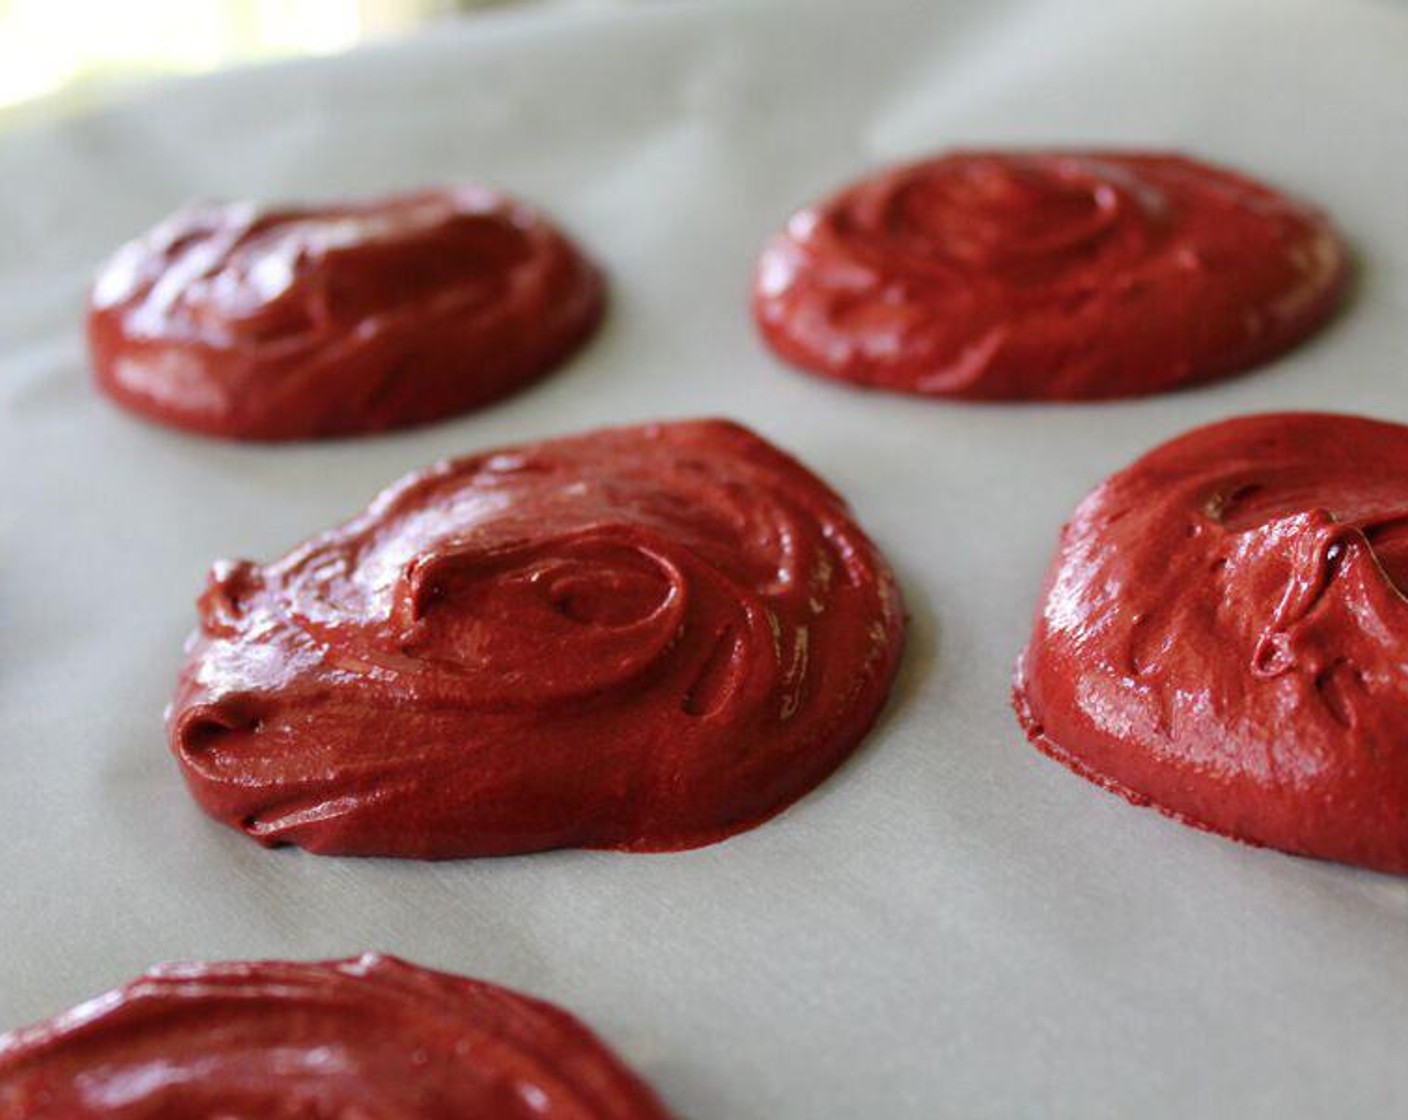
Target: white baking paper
(952, 925)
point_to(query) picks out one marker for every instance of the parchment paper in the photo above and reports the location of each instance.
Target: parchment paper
(951, 926)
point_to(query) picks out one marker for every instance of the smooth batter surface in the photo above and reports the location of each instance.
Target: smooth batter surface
(642, 638)
(297, 324)
(1046, 276)
(367, 1039)
(1224, 634)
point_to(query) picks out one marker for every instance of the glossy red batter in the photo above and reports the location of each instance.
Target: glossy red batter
(643, 638)
(1046, 276)
(298, 324)
(367, 1038)
(1224, 635)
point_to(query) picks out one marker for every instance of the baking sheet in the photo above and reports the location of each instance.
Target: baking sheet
(952, 925)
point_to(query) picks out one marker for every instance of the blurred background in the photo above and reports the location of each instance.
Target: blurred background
(58, 53)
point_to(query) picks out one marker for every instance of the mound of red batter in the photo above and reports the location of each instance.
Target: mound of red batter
(1224, 635)
(1046, 275)
(643, 638)
(299, 324)
(373, 1037)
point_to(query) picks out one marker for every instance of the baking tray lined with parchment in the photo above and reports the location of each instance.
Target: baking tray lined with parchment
(951, 925)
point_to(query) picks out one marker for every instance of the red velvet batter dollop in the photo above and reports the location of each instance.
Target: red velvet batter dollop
(1046, 275)
(297, 324)
(1224, 635)
(372, 1037)
(643, 638)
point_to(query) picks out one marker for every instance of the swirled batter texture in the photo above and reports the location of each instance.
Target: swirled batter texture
(367, 1039)
(1224, 636)
(1046, 276)
(643, 638)
(297, 324)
